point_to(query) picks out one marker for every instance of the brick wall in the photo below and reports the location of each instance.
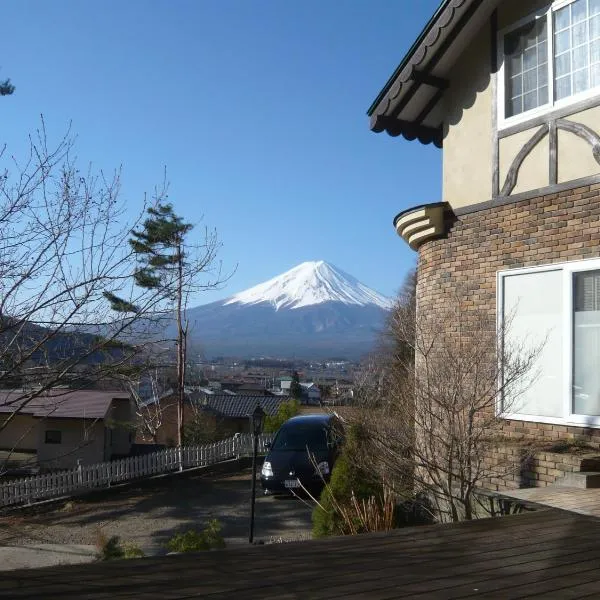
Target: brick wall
(549, 229)
(535, 468)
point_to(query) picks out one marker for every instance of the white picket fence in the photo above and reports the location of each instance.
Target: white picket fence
(64, 483)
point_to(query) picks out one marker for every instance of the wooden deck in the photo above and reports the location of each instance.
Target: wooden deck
(542, 554)
(582, 501)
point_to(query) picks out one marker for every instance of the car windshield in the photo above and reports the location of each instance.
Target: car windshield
(299, 437)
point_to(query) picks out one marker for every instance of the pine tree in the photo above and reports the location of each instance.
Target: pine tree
(160, 248)
(173, 269)
(6, 88)
(295, 387)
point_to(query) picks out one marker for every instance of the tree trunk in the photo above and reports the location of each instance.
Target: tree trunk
(180, 349)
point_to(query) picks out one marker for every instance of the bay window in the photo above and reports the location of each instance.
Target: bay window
(555, 309)
(550, 58)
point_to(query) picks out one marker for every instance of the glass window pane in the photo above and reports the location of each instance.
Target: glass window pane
(579, 33)
(586, 343)
(562, 87)
(594, 7)
(595, 75)
(530, 81)
(529, 58)
(580, 81)
(595, 27)
(514, 106)
(526, 52)
(515, 64)
(562, 64)
(530, 100)
(578, 11)
(562, 18)
(595, 51)
(562, 41)
(580, 57)
(515, 87)
(543, 95)
(533, 305)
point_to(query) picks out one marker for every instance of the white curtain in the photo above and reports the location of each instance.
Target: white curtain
(586, 343)
(532, 303)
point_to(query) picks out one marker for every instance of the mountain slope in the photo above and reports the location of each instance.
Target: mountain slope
(308, 284)
(314, 310)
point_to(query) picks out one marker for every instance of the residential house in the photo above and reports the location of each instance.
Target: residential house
(285, 384)
(247, 389)
(232, 412)
(66, 427)
(311, 394)
(223, 413)
(510, 91)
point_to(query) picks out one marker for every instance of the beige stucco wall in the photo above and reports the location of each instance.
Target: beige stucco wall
(575, 158)
(120, 422)
(468, 141)
(467, 161)
(21, 433)
(83, 440)
(535, 169)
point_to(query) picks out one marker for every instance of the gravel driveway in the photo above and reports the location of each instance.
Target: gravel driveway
(148, 516)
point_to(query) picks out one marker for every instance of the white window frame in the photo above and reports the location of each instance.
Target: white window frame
(503, 120)
(568, 269)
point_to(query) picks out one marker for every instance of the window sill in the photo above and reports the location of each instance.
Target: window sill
(584, 422)
(540, 117)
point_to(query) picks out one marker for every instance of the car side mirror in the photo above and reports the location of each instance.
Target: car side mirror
(267, 445)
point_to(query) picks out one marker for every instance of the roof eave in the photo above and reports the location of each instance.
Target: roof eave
(408, 56)
(410, 102)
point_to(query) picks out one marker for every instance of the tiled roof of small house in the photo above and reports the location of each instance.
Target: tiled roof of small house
(65, 404)
(240, 406)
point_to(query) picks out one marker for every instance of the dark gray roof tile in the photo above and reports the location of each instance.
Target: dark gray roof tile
(239, 406)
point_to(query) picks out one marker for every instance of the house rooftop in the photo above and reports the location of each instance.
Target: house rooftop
(241, 405)
(64, 404)
(409, 103)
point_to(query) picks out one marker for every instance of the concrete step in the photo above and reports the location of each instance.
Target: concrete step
(580, 479)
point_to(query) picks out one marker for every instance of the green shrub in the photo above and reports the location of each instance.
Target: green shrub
(108, 548)
(132, 551)
(346, 477)
(356, 500)
(194, 541)
(111, 548)
(286, 411)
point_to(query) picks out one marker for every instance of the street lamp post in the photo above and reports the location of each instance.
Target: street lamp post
(257, 419)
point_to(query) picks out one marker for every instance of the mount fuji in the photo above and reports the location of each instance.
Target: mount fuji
(314, 310)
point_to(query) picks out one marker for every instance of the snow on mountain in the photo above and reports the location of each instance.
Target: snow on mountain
(309, 284)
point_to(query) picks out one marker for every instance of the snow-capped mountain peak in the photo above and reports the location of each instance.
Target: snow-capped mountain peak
(308, 284)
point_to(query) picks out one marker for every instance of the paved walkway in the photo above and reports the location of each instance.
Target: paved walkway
(45, 555)
(148, 517)
(577, 500)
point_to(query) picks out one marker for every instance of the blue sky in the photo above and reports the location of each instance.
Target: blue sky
(255, 107)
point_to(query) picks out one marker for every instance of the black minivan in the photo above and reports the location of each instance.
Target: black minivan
(302, 454)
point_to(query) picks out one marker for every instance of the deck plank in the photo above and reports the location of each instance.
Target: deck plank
(549, 552)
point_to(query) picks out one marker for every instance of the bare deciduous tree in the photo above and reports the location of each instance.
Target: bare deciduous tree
(172, 266)
(431, 398)
(148, 411)
(63, 251)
